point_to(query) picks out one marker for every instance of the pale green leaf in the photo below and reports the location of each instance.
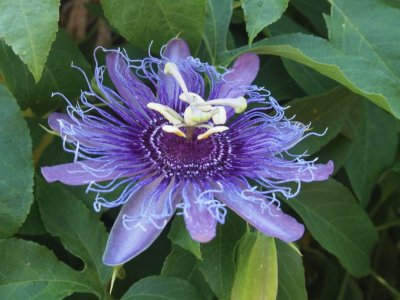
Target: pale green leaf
(157, 21)
(338, 223)
(29, 27)
(163, 288)
(31, 271)
(257, 268)
(261, 13)
(16, 175)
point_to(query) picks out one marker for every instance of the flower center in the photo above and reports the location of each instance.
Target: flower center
(186, 158)
(199, 113)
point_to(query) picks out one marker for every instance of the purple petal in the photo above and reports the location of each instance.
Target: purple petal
(80, 173)
(55, 118)
(129, 239)
(199, 221)
(270, 221)
(292, 170)
(176, 49)
(131, 89)
(243, 72)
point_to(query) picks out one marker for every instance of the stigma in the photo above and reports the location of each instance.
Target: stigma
(199, 113)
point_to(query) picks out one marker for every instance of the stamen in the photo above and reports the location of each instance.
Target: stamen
(211, 131)
(174, 130)
(172, 69)
(238, 104)
(171, 115)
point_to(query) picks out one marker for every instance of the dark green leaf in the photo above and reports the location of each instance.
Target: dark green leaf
(325, 112)
(257, 268)
(31, 271)
(180, 236)
(16, 176)
(29, 27)
(160, 287)
(218, 265)
(216, 28)
(312, 82)
(181, 263)
(338, 223)
(261, 13)
(375, 142)
(58, 75)
(144, 21)
(314, 11)
(292, 285)
(79, 229)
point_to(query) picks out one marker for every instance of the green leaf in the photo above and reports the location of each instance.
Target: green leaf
(180, 236)
(79, 229)
(58, 75)
(349, 69)
(218, 266)
(16, 176)
(29, 27)
(216, 27)
(160, 287)
(257, 268)
(325, 112)
(183, 264)
(338, 223)
(157, 21)
(31, 271)
(292, 285)
(314, 11)
(375, 143)
(261, 13)
(312, 82)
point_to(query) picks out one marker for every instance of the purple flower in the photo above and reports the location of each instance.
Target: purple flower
(165, 148)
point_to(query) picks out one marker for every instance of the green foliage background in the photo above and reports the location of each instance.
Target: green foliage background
(334, 63)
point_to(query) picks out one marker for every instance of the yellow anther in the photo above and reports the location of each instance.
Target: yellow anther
(174, 130)
(171, 115)
(213, 130)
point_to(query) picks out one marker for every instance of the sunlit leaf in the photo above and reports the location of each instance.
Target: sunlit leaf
(29, 27)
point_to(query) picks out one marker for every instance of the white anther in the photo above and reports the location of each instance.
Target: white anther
(194, 116)
(211, 131)
(238, 104)
(174, 130)
(195, 99)
(172, 69)
(171, 115)
(218, 115)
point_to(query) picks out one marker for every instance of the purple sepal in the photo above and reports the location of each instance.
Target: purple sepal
(176, 49)
(269, 220)
(78, 173)
(133, 231)
(200, 223)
